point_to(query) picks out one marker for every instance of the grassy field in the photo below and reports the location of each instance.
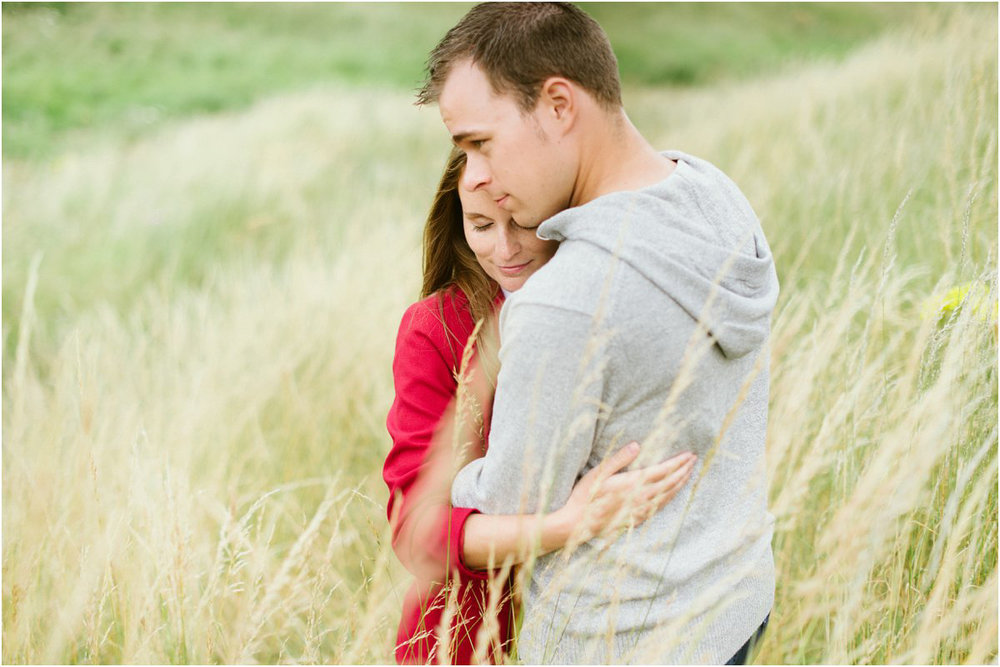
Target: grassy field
(125, 69)
(199, 312)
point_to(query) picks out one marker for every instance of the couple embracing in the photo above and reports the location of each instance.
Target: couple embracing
(634, 291)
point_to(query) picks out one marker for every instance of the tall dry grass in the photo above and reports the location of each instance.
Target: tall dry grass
(199, 334)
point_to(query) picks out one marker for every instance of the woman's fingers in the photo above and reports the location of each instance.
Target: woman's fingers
(621, 499)
(678, 476)
(644, 501)
(659, 471)
(644, 478)
(619, 459)
(609, 468)
(672, 484)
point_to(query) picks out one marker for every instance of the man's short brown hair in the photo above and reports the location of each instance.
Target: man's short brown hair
(519, 45)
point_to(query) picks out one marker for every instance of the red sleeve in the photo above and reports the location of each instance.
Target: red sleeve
(427, 354)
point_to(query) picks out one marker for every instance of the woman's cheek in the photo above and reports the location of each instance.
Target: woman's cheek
(481, 247)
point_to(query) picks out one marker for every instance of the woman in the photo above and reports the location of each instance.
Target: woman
(474, 254)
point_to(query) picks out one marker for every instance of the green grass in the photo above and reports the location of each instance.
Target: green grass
(869, 147)
(199, 321)
(120, 69)
(125, 67)
(698, 43)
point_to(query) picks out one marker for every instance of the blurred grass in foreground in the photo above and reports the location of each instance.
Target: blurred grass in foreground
(200, 327)
(120, 69)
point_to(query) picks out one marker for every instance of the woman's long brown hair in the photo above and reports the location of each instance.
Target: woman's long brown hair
(449, 262)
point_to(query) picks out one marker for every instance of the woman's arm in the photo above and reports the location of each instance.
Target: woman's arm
(603, 501)
(426, 529)
(432, 538)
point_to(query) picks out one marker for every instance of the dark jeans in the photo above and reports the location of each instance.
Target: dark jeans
(741, 656)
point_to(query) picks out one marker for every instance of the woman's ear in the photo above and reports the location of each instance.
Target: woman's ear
(559, 103)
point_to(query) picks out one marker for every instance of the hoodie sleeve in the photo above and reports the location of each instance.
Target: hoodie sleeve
(545, 413)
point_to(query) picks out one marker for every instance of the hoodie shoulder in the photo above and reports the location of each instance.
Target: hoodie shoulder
(693, 238)
(724, 209)
(573, 280)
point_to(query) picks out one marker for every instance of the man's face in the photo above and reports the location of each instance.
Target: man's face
(510, 155)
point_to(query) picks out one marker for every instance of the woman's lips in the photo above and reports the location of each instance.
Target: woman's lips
(513, 270)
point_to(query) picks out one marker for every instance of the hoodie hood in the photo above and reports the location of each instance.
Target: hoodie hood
(696, 238)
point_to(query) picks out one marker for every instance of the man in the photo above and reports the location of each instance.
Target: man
(652, 319)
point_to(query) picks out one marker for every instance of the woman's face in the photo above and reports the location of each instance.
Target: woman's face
(507, 252)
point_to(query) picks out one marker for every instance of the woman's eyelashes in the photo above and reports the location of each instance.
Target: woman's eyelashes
(480, 222)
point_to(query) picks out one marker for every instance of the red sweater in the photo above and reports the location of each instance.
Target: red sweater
(428, 352)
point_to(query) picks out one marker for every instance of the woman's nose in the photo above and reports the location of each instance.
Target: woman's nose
(507, 243)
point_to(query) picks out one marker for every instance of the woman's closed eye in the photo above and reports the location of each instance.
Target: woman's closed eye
(480, 222)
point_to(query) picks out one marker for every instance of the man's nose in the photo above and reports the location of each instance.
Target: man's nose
(476, 173)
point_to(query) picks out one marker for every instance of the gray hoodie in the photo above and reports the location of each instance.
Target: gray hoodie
(650, 323)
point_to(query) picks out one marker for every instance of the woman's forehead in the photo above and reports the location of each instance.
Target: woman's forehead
(479, 204)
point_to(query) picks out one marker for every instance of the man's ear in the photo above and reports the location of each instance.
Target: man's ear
(558, 99)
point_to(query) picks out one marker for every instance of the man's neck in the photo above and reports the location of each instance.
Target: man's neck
(615, 157)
